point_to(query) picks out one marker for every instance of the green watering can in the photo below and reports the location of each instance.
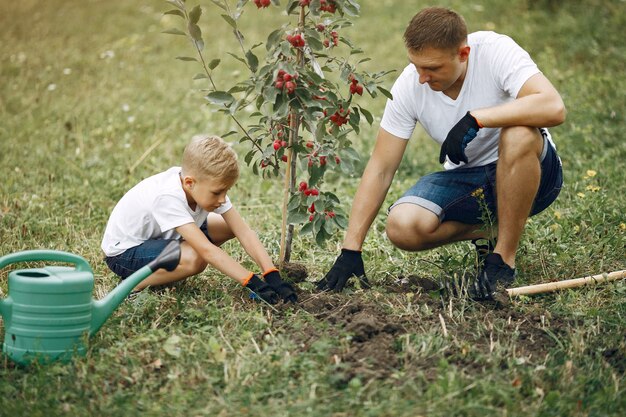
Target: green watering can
(49, 313)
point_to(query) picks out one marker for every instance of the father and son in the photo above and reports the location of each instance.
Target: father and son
(480, 96)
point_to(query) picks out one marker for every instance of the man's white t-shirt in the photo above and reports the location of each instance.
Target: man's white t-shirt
(497, 69)
(152, 209)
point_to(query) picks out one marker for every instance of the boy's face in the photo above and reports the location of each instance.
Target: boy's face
(209, 194)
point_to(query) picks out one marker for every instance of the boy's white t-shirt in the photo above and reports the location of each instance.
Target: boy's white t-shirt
(152, 209)
(497, 69)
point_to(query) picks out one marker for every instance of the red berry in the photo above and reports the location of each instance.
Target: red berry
(322, 160)
(359, 89)
(266, 3)
(307, 192)
(276, 145)
(312, 208)
(311, 217)
(290, 86)
(303, 186)
(287, 77)
(279, 85)
(304, 3)
(283, 143)
(281, 73)
(284, 158)
(263, 163)
(315, 191)
(326, 43)
(310, 145)
(320, 27)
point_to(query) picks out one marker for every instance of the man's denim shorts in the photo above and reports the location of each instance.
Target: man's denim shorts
(456, 194)
(135, 258)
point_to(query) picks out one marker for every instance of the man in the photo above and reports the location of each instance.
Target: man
(485, 101)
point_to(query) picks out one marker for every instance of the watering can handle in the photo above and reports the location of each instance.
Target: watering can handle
(46, 255)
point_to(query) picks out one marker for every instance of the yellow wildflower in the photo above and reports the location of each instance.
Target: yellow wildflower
(576, 229)
(591, 173)
(622, 226)
(592, 188)
(558, 214)
(478, 193)
(581, 195)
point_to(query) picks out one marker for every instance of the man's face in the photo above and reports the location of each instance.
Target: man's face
(441, 69)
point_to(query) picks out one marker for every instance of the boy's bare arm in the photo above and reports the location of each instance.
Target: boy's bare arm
(212, 254)
(248, 238)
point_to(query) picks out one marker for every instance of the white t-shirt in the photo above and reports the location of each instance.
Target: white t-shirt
(497, 69)
(152, 209)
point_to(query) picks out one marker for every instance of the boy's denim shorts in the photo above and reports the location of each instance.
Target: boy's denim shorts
(135, 258)
(456, 194)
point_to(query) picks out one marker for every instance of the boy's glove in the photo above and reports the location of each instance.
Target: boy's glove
(458, 138)
(348, 264)
(284, 289)
(260, 288)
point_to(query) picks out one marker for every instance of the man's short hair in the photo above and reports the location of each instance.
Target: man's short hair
(435, 27)
(210, 157)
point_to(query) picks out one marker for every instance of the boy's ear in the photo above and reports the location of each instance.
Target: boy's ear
(188, 182)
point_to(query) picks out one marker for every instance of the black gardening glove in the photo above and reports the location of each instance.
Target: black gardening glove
(348, 264)
(261, 289)
(284, 289)
(458, 138)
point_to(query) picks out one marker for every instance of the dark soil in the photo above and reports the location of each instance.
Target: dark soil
(293, 272)
(370, 335)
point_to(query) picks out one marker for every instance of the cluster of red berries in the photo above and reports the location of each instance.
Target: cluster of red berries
(335, 39)
(297, 41)
(340, 117)
(355, 87)
(304, 188)
(328, 6)
(286, 81)
(262, 3)
(279, 144)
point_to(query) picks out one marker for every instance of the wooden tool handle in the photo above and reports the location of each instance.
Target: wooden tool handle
(568, 283)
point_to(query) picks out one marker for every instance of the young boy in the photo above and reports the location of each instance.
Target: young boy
(189, 203)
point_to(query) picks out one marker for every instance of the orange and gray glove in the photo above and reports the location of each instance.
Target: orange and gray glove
(284, 289)
(260, 289)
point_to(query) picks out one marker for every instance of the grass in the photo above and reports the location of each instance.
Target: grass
(92, 100)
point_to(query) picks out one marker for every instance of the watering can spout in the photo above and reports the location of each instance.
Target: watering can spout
(102, 309)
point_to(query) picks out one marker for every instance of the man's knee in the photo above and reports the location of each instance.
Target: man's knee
(519, 141)
(407, 229)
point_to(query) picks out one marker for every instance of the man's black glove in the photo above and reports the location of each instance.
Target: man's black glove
(262, 289)
(284, 289)
(458, 138)
(348, 264)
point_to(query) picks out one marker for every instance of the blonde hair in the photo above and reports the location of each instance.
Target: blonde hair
(435, 27)
(210, 157)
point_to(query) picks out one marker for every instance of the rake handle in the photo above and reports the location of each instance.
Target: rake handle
(568, 283)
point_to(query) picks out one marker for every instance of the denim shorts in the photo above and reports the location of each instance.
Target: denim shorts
(462, 194)
(135, 258)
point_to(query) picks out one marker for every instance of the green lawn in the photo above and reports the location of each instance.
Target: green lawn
(92, 100)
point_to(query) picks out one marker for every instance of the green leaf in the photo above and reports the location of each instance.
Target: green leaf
(171, 346)
(253, 61)
(297, 217)
(273, 39)
(307, 228)
(194, 14)
(200, 76)
(176, 13)
(174, 32)
(321, 237)
(294, 202)
(368, 115)
(220, 97)
(214, 63)
(341, 221)
(351, 8)
(230, 21)
(195, 32)
(385, 92)
(186, 58)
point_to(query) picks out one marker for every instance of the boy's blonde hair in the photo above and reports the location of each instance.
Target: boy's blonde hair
(210, 157)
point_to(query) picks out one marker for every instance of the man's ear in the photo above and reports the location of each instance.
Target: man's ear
(464, 52)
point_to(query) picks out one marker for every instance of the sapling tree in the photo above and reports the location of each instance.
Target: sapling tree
(304, 86)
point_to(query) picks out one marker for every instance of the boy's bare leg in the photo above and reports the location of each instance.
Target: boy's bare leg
(517, 181)
(190, 262)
